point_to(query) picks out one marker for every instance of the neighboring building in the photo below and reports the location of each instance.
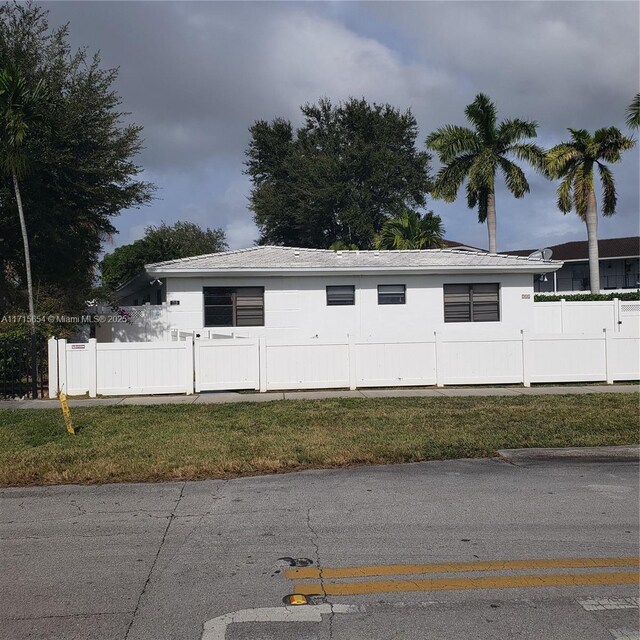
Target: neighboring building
(619, 266)
(311, 293)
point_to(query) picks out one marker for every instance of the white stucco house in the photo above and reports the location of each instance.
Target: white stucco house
(286, 292)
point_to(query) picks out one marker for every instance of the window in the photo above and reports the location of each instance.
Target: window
(392, 294)
(233, 306)
(471, 302)
(342, 294)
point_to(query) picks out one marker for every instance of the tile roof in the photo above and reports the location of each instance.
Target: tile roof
(579, 250)
(268, 258)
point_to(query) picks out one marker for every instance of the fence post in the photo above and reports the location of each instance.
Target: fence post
(439, 359)
(351, 356)
(189, 366)
(616, 314)
(526, 365)
(62, 365)
(262, 364)
(608, 357)
(34, 364)
(562, 304)
(93, 367)
(52, 361)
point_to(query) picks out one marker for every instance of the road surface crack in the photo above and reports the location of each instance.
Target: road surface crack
(155, 560)
(316, 545)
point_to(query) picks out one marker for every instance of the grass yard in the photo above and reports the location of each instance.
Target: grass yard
(180, 442)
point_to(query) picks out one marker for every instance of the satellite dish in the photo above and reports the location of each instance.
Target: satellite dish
(540, 254)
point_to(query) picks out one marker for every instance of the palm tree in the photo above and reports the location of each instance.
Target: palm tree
(409, 230)
(18, 107)
(476, 155)
(633, 113)
(574, 163)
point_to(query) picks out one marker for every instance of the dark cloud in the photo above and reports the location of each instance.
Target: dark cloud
(196, 75)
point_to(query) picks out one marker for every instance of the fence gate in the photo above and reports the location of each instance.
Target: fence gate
(23, 366)
(226, 364)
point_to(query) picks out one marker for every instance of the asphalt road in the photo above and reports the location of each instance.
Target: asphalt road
(482, 549)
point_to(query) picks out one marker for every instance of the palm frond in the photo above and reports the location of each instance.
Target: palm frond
(482, 114)
(510, 131)
(450, 177)
(565, 202)
(451, 140)
(633, 113)
(514, 177)
(483, 204)
(483, 171)
(532, 154)
(411, 231)
(580, 138)
(582, 187)
(610, 143)
(609, 196)
(561, 158)
(472, 197)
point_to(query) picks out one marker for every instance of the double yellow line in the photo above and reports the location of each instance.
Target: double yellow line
(449, 583)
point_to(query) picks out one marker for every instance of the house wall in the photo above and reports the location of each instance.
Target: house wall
(296, 306)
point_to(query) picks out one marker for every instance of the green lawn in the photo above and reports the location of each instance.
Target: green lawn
(171, 442)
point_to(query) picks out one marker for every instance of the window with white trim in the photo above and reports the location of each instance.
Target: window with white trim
(472, 302)
(233, 306)
(341, 295)
(392, 294)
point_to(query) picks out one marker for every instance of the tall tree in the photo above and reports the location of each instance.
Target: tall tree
(475, 155)
(165, 242)
(574, 162)
(19, 107)
(410, 230)
(81, 168)
(633, 113)
(339, 177)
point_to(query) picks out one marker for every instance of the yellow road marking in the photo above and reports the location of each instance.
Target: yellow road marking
(452, 584)
(491, 565)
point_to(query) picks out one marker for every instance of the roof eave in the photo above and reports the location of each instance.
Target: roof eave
(542, 267)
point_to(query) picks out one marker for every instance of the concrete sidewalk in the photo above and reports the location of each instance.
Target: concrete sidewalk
(228, 396)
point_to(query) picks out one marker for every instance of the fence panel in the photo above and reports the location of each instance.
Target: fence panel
(307, 365)
(566, 358)
(480, 360)
(624, 358)
(144, 367)
(77, 368)
(386, 364)
(226, 364)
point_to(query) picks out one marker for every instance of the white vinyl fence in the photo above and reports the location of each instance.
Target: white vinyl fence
(120, 368)
(592, 316)
(266, 364)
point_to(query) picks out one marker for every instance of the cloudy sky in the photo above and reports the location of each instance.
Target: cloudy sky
(196, 75)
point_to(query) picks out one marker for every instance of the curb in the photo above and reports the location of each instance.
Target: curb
(581, 454)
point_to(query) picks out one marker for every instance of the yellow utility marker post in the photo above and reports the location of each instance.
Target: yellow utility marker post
(66, 414)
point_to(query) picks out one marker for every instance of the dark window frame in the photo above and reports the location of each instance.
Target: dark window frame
(338, 302)
(233, 306)
(473, 306)
(387, 298)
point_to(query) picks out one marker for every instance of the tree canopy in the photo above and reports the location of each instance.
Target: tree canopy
(339, 177)
(476, 155)
(574, 162)
(80, 155)
(165, 242)
(410, 230)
